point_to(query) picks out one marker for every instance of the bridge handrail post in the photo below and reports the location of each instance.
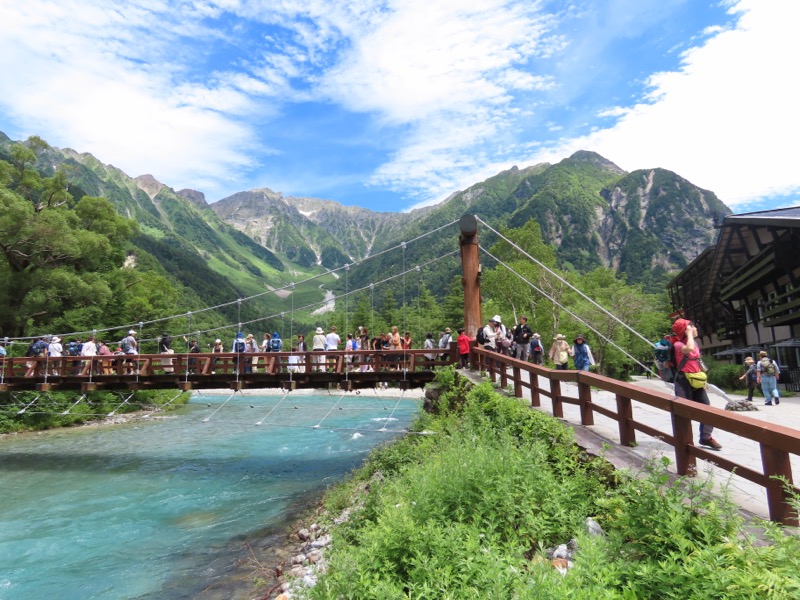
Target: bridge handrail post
(585, 401)
(555, 393)
(533, 378)
(776, 464)
(517, 379)
(503, 368)
(685, 463)
(627, 432)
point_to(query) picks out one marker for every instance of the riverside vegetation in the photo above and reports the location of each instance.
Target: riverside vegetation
(63, 409)
(470, 510)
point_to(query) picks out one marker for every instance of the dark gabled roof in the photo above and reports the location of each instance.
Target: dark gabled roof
(779, 217)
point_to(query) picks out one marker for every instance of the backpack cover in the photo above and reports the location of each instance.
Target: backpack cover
(275, 344)
(767, 366)
(663, 357)
(238, 346)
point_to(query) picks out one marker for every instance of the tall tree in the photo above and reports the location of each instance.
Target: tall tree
(53, 257)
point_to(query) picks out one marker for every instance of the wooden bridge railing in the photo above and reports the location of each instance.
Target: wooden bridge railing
(219, 370)
(776, 442)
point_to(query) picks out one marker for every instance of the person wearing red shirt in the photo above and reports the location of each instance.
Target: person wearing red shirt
(687, 357)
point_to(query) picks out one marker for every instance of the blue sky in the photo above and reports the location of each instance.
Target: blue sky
(395, 104)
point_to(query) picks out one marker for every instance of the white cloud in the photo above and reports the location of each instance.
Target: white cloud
(727, 120)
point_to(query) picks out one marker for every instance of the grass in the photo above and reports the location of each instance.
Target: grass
(469, 512)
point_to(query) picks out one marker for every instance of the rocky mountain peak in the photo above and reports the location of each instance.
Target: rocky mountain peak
(587, 156)
(149, 185)
(193, 196)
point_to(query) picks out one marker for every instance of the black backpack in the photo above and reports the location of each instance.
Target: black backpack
(480, 336)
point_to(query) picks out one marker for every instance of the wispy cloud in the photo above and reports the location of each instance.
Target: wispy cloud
(727, 120)
(193, 91)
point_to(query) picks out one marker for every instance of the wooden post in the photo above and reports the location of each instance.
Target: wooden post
(534, 381)
(627, 433)
(685, 463)
(585, 402)
(471, 269)
(558, 405)
(776, 464)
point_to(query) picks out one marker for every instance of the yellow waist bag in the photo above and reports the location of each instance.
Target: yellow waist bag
(697, 380)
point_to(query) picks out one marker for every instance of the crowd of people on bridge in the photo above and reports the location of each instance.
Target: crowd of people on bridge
(518, 341)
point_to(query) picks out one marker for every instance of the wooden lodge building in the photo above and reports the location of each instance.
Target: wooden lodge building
(743, 293)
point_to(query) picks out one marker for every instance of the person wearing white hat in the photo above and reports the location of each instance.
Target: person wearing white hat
(536, 350)
(318, 345)
(129, 345)
(560, 352)
(55, 350)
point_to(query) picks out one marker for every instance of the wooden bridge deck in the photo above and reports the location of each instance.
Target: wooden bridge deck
(346, 370)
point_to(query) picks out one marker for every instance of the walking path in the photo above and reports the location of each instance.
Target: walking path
(750, 496)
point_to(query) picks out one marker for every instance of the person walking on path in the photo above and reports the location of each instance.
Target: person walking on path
(750, 376)
(582, 354)
(522, 338)
(560, 352)
(536, 350)
(767, 375)
(690, 373)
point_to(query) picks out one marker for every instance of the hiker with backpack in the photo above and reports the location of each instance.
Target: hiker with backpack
(37, 347)
(238, 348)
(767, 375)
(536, 350)
(582, 354)
(275, 343)
(690, 381)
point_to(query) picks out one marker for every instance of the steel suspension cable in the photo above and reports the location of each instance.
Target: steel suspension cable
(248, 298)
(568, 311)
(563, 280)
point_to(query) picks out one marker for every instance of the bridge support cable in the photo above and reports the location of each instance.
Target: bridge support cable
(74, 404)
(124, 402)
(394, 410)
(273, 409)
(25, 408)
(317, 426)
(163, 406)
(569, 312)
(208, 418)
(567, 283)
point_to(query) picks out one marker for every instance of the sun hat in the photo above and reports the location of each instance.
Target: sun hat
(218, 341)
(320, 331)
(536, 335)
(559, 337)
(679, 327)
(448, 330)
(763, 353)
(749, 359)
(131, 332)
(497, 319)
(55, 340)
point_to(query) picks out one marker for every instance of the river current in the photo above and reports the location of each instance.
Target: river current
(154, 508)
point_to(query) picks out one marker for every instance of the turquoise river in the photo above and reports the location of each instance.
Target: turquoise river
(162, 507)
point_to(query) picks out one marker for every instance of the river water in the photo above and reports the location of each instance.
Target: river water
(156, 507)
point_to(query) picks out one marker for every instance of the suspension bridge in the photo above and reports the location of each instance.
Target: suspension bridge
(348, 370)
